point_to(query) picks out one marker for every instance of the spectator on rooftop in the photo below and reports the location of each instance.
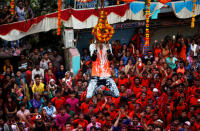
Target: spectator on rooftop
(21, 12)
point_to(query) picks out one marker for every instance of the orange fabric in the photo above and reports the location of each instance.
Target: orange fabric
(101, 67)
(197, 125)
(84, 108)
(157, 52)
(193, 101)
(131, 114)
(137, 38)
(113, 114)
(116, 101)
(179, 70)
(192, 90)
(169, 117)
(58, 102)
(149, 93)
(101, 121)
(5, 67)
(144, 82)
(83, 95)
(183, 53)
(116, 48)
(136, 90)
(123, 82)
(194, 127)
(142, 103)
(179, 109)
(83, 123)
(132, 80)
(131, 106)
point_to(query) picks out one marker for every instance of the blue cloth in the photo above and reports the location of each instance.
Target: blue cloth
(86, 58)
(17, 80)
(20, 13)
(124, 59)
(138, 6)
(116, 128)
(76, 67)
(183, 4)
(155, 14)
(178, 6)
(36, 104)
(116, 71)
(50, 111)
(60, 74)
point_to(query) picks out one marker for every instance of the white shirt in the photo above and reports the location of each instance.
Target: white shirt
(44, 64)
(98, 125)
(194, 49)
(50, 111)
(38, 72)
(24, 114)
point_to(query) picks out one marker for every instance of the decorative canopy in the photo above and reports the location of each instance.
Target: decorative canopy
(87, 18)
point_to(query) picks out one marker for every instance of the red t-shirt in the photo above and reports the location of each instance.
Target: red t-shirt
(58, 102)
(193, 101)
(156, 52)
(136, 90)
(144, 82)
(123, 81)
(85, 108)
(83, 123)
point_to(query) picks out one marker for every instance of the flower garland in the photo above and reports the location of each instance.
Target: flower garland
(193, 16)
(128, 0)
(117, 2)
(164, 1)
(84, 1)
(12, 5)
(103, 31)
(147, 22)
(59, 17)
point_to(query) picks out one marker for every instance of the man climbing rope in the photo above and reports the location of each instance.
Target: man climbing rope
(101, 54)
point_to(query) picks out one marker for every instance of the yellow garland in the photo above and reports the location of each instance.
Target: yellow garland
(193, 16)
(59, 17)
(12, 5)
(147, 23)
(103, 31)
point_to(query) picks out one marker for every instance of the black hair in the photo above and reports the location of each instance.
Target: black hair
(58, 91)
(37, 76)
(161, 129)
(122, 85)
(93, 127)
(67, 105)
(79, 80)
(135, 116)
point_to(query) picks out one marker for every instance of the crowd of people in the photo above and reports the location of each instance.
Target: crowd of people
(22, 12)
(159, 90)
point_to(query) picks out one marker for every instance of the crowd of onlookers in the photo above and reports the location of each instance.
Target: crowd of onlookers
(22, 12)
(159, 90)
